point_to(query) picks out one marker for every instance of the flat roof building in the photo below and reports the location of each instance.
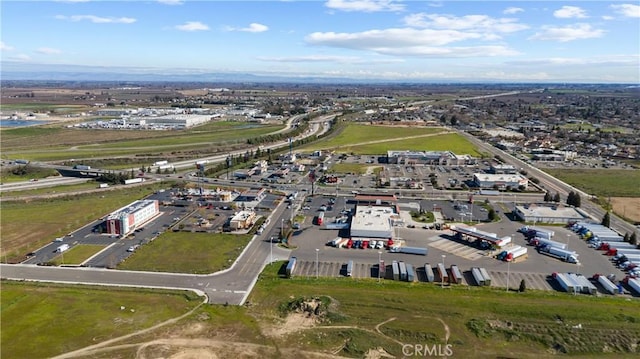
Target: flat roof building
(500, 181)
(373, 221)
(242, 220)
(127, 219)
(547, 213)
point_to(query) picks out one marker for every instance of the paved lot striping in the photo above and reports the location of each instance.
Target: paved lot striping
(458, 249)
(367, 270)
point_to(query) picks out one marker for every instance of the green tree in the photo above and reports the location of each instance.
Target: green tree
(547, 197)
(606, 220)
(626, 237)
(523, 286)
(492, 214)
(556, 197)
(633, 239)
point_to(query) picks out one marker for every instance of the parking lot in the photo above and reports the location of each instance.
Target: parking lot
(536, 269)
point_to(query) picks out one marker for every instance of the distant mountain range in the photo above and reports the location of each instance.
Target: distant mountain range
(17, 71)
(20, 71)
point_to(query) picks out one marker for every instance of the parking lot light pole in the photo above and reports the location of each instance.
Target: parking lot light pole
(317, 274)
(508, 274)
(442, 279)
(271, 249)
(379, 263)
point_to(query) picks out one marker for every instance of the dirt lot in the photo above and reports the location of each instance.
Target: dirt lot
(627, 207)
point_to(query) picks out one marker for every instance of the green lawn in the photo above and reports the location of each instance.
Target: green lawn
(601, 182)
(44, 320)
(483, 322)
(186, 252)
(77, 254)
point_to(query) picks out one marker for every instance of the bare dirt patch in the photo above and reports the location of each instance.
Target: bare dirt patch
(628, 207)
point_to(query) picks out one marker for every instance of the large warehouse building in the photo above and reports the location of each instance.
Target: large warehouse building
(127, 219)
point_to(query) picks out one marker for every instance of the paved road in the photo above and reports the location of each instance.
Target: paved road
(230, 286)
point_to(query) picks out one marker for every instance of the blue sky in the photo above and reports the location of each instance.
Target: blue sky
(579, 41)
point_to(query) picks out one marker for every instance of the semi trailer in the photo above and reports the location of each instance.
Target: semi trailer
(565, 255)
(428, 271)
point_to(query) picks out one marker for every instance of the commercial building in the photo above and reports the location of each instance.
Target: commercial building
(500, 181)
(252, 195)
(374, 221)
(444, 158)
(127, 219)
(242, 220)
(549, 213)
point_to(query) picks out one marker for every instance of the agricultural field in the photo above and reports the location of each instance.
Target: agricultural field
(377, 140)
(186, 252)
(618, 186)
(56, 217)
(59, 144)
(319, 318)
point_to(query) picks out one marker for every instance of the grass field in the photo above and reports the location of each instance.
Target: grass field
(77, 254)
(355, 168)
(185, 252)
(355, 316)
(52, 190)
(377, 140)
(57, 143)
(43, 320)
(482, 322)
(601, 182)
(22, 233)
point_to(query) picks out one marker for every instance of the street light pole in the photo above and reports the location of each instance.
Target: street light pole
(271, 249)
(508, 274)
(317, 274)
(281, 228)
(445, 269)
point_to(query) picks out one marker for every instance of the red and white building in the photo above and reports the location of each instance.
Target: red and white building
(127, 219)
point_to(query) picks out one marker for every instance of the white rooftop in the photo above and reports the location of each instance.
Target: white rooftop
(373, 221)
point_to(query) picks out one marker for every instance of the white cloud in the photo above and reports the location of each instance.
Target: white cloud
(253, 27)
(48, 51)
(467, 22)
(512, 10)
(607, 17)
(329, 58)
(612, 60)
(628, 10)
(73, 1)
(97, 19)
(21, 58)
(192, 26)
(364, 5)
(567, 33)
(171, 2)
(568, 12)
(408, 42)
(5, 47)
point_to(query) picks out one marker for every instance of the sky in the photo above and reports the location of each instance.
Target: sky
(512, 41)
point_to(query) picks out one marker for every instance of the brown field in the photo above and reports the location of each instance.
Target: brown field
(627, 207)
